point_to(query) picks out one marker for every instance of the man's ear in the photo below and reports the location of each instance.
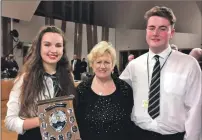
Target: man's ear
(172, 33)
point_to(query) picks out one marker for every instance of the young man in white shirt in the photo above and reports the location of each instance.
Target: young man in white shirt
(166, 85)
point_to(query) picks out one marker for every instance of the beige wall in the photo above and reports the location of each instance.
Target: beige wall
(135, 40)
(28, 30)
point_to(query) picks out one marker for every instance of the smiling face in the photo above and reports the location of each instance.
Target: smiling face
(158, 33)
(51, 48)
(103, 66)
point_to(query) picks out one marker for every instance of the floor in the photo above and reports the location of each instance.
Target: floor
(5, 134)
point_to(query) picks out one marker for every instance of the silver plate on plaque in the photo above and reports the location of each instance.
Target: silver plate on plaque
(58, 120)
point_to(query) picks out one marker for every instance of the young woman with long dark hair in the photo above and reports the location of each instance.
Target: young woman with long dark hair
(46, 74)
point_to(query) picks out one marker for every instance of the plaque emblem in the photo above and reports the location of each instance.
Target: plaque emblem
(60, 137)
(74, 129)
(41, 116)
(46, 135)
(70, 111)
(71, 119)
(43, 125)
(52, 138)
(58, 120)
(69, 135)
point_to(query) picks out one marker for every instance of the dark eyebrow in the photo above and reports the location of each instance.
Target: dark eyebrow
(163, 26)
(151, 26)
(159, 26)
(46, 42)
(59, 44)
(50, 43)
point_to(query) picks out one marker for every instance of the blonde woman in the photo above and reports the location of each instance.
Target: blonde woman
(104, 101)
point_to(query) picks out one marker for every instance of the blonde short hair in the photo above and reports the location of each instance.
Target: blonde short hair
(99, 50)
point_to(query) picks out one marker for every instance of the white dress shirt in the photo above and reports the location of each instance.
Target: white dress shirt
(180, 93)
(13, 121)
(73, 65)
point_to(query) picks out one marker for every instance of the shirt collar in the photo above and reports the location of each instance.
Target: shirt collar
(50, 75)
(162, 55)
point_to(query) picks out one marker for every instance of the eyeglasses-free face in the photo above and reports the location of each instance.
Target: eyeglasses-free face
(103, 66)
(158, 33)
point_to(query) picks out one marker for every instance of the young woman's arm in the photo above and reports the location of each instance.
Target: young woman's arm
(30, 123)
(12, 121)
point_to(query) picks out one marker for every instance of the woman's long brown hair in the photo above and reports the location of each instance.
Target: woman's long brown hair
(33, 70)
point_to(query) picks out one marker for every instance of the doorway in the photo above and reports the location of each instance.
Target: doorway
(123, 57)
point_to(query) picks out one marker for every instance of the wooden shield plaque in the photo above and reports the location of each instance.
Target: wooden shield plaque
(57, 119)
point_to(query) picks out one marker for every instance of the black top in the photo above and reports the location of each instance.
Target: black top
(77, 66)
(83, 66)
(12, 64)
(105, 117)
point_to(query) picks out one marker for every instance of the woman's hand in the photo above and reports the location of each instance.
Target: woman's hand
(30, 123)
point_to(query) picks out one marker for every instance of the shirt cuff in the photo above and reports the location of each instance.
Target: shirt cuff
(19, 126)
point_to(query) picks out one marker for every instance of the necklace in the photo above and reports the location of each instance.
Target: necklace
(101, 86)
(100, 93)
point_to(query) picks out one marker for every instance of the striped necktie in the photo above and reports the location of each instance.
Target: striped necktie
(154, 90)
